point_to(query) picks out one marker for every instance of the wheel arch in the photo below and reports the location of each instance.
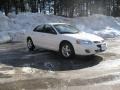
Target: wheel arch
(72, 47)
(65, 41)
(29, 38)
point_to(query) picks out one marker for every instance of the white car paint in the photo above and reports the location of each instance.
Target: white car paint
(52, 41)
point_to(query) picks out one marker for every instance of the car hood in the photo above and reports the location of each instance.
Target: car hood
(85, 36)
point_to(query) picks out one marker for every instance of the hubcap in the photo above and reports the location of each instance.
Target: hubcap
(29, 44)
(66, 51)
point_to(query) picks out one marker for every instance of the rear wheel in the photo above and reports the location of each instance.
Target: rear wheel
(67, 50)
(30, 44)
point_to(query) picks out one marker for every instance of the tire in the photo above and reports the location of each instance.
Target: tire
(30, 44)
(67, 50)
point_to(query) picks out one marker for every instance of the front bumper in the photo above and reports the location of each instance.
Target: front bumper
(89, 49)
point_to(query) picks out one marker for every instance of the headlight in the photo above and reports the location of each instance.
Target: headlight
(86, 42)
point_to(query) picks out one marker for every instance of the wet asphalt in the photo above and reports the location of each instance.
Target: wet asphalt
(43, 69)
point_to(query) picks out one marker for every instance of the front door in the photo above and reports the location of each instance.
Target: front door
(38, 36)
(50, 37)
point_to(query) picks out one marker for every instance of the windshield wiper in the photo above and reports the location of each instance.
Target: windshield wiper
(66, 33)
(69, 32)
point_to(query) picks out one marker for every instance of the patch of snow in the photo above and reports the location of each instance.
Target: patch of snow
(104, 26)
(107, 65)
(27, 69)
(17, 35)
(114, 82)
(4, 22)
(108, 33)
(4, 37)
(10, 72)
(51, 72)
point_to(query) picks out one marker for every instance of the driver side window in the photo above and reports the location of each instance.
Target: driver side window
(48, 29)
(39, 28)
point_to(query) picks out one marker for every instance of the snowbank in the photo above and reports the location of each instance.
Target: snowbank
(15, 26)
(4, 22)
(4, 37)
(104, 26)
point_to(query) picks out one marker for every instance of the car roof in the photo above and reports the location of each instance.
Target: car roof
(55, 23)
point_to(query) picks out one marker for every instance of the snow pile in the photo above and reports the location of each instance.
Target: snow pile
(13, 27)
(28, 21)
(104, 26)
(4, 37)
(4, 26)
(108, 33)
(4, 22)
(9, 30)
(97, 22)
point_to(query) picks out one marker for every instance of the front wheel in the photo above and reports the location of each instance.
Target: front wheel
(67, 50)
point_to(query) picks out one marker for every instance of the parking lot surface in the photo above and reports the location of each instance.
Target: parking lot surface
(43, 69)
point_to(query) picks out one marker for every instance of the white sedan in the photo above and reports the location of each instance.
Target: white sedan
(66, 39)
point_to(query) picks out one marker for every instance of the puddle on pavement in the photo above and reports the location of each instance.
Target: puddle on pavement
(51, 66)
(58, 65)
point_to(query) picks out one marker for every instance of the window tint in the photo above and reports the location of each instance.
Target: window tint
(39, 28)
(49, 29)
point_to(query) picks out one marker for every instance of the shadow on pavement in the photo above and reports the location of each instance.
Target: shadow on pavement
(46, 60)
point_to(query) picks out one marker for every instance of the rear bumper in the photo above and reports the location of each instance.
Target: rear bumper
(89, 49)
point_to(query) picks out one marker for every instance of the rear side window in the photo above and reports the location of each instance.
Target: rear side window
(39, 28)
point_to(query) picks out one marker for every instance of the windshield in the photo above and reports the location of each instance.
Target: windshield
(66, 29)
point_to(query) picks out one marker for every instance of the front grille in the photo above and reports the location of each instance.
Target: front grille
(98, 42)
(99, 46)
